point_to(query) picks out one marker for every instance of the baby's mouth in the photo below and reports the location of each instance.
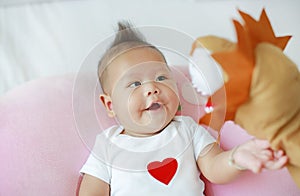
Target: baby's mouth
(153, 106)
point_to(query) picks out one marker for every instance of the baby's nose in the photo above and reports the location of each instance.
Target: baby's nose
(151, 89)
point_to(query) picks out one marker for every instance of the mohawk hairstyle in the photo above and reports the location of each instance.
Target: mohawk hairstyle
(126, 33)
(127, 38)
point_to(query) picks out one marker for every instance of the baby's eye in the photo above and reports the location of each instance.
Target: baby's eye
(134, 84)
(161, 78)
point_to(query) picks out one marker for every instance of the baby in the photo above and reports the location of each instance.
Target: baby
(152, 151)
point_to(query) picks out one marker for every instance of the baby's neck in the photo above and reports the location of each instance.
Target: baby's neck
(140, 135)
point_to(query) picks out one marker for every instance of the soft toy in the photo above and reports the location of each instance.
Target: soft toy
(262, 85)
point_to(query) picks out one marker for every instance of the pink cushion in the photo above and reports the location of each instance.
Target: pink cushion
(40, 149)
(267, 183)
(44, 143)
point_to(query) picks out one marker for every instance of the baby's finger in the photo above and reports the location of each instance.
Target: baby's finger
(276, 164)
(278, 153)
(263, 158)
(265, 155)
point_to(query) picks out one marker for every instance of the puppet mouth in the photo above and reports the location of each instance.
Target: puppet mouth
(153, 106)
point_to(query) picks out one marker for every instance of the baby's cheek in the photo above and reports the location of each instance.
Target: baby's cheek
(171, 86)
(172, 90)
(135, 102)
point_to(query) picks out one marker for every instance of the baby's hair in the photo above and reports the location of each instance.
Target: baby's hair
(127, 38)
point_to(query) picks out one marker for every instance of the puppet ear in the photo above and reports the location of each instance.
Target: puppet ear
(107, 102)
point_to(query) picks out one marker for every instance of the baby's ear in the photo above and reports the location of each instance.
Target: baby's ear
(107, 102)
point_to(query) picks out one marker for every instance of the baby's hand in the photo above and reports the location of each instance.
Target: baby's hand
(256, 155)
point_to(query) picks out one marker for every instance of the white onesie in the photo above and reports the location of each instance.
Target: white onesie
(163, 164)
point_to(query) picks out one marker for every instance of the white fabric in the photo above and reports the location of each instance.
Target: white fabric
(121, 160)
(52, 38)
(205, 72)
(20, 2)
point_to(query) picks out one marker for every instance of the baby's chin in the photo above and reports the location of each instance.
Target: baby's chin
(147, 129)
(150, 122)
(156, 122)
(155, 128)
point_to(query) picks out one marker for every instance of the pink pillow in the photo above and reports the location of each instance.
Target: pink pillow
(44, 143)
(267, 183)
(40, 149)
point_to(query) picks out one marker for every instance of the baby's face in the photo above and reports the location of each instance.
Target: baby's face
(143, 92)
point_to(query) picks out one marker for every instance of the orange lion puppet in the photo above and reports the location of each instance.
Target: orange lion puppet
(262, 85)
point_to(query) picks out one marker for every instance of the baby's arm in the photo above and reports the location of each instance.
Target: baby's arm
(253, 155)
(92, 186)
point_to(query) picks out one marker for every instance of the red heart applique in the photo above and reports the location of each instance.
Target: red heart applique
(163, 171)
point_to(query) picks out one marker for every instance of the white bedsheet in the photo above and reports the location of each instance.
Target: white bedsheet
(53, 37)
